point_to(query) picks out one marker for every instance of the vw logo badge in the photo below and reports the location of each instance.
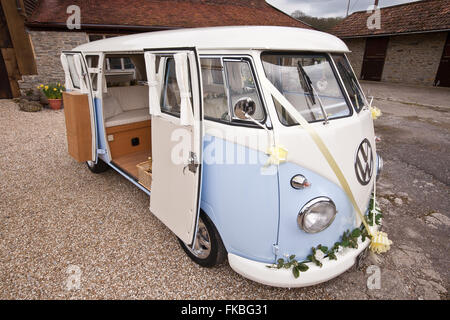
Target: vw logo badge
(364, 162)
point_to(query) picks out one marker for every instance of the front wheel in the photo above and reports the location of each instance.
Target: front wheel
(98, 167)
(208, 250)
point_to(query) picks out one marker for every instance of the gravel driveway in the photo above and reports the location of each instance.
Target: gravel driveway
(57, 217)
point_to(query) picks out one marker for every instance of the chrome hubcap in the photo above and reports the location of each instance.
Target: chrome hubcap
(202, 246)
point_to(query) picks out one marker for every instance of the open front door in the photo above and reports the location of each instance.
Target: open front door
(79, 108)
(175, 107)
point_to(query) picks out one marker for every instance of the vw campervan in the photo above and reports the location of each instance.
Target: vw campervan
(258, 141)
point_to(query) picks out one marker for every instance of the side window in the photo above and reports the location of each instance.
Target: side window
(225, 82)
(170, 102)
(73, 72)
(241, 85)
(215, 99)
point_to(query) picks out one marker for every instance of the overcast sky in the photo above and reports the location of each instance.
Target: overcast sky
(329, 8)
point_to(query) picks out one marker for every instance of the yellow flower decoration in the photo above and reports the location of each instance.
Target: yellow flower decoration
(59, 84)
(380, 242)
(376, 113)
(42, 86)
(54, 89)
(46, 87)
(277, 155)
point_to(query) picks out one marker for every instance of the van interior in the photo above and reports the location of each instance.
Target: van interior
(126, 111)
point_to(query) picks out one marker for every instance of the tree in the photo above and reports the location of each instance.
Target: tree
(322, 24)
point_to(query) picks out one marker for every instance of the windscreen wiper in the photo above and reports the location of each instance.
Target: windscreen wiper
(355, 87)
(306, 81)
(312, 92)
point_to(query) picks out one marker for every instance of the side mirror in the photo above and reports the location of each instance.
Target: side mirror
(244, 108)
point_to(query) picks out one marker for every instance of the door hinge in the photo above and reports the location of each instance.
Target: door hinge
(101, 151)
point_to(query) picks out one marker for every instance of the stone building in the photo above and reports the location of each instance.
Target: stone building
(411, 46)
(49, 33)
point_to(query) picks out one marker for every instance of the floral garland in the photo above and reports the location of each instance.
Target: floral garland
(348, 240)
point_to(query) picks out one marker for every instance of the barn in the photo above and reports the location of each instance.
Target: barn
(412, 45)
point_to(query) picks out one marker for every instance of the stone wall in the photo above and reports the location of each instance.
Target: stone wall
(414, 59)
(47, 47)
(410, 59)
(357, 47)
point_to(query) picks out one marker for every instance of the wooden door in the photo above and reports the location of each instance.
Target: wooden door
(443, 74)
(374, 56)
(5, 89)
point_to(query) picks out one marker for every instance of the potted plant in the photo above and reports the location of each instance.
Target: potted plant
(53, 92)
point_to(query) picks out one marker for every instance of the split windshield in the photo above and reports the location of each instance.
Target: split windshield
(351, 84)
(308, 82)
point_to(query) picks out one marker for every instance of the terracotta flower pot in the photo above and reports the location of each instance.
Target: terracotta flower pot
(55, 104)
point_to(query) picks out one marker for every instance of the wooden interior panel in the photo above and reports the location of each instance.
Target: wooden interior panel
(78, 125)
(120, 139)
(128, 162)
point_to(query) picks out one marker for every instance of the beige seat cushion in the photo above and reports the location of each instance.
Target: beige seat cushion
(131, 97)
(111, 106)
(127, 117)
(124, 105)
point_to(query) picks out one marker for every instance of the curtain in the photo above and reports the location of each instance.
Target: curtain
(182, 72)
(153, 84)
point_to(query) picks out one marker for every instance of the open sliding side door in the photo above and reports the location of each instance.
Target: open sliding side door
(176, 117)
(79, 108)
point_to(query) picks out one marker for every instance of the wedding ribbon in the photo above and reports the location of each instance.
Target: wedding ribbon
(379, 240)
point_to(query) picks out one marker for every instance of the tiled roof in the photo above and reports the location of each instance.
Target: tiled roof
(162, 14)
(421, 16)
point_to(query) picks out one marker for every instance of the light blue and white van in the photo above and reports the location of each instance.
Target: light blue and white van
(234, 174)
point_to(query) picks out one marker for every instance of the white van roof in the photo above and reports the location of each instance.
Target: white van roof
(235, 37)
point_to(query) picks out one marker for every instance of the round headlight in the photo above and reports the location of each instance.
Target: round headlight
(317, 215)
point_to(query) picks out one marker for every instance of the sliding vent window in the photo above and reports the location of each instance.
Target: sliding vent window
(308, 82)
(351, 84)
(73, 71)
(214, 91)
(225, 82)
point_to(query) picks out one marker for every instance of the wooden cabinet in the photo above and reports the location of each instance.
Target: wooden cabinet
(129, 138)
(78, 125)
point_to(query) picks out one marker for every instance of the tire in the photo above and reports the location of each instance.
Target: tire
(216, 254)
(98, 167)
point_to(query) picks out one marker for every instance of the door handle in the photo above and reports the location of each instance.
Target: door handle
(192, 163)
